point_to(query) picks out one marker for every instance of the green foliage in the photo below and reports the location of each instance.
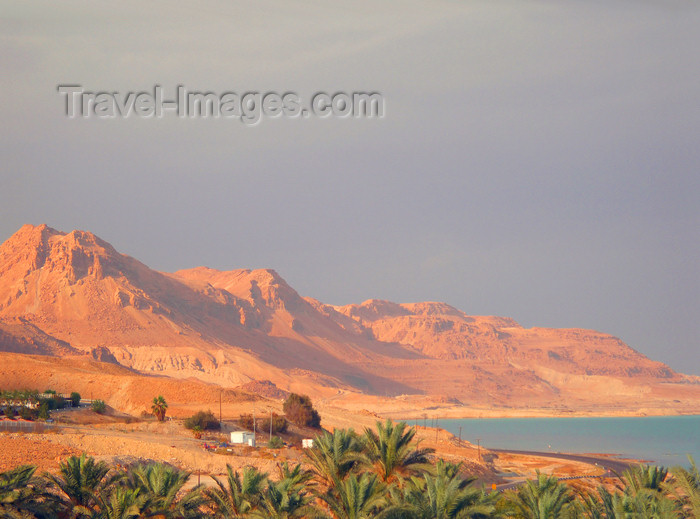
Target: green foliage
(349, 481)
(299, 410)
(27, 414)
(20, 395)
(356, 497)
(24, 402)
(55, 402)
(99, 406)
(238, 495)
(10, 412)
(205, 420)
(287, 498)
(639, 477)
(79, 482)
(159, 408)
(275, 443)
(390, 451)
(163, 485)
(444, 495)
(262, 424)
(542, 498)
(75, 399)
(685, 488)
(44, 413)
(121, 503)
(334, 455)
(23, 495)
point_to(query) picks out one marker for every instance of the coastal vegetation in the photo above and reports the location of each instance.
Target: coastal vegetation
(30, 404)
(300, 411)
(159, 408)
(380, 473)
(262, 423)
(204, 420)
(99, 406)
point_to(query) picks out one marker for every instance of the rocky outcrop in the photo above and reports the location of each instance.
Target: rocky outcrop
(73, 293)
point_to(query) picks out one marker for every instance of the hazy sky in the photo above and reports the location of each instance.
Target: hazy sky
(538, 159)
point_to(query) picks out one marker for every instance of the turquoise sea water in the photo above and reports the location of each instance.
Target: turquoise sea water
(663, 440)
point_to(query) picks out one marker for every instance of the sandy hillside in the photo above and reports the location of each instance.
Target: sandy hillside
(73, 296)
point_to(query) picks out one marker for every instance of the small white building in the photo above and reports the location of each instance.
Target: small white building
(307, 443)
(243, 438)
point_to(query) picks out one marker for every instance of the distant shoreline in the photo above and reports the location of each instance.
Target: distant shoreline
(663, 440)
(457, 414)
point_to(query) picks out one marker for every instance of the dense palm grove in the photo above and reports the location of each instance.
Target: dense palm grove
(378, 474)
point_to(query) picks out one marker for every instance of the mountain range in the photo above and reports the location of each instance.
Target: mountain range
(72, 295)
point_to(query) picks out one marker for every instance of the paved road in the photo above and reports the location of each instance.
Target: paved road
(607, 463)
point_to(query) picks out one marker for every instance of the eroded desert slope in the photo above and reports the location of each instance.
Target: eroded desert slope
(73, 294)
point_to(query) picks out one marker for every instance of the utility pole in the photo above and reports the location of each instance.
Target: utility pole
(270, 424)
(460, 435)
(253, 422)
(437, 430)
(478, 446)
(220, 409)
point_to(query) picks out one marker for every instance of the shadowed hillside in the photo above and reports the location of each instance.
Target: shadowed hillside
(72, 294)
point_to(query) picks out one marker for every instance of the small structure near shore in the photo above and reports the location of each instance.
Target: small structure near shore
(243, 438)
(307, 443)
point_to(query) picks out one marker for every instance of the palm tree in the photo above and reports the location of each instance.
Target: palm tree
(334, 455)
(685, 487)
(161, 484)
(159, 407)
(542, 498)
(287, 498)
(239, 496)
(80, 480)
(391, 453)
(356, 497)
(445, 495)
(646, 503)
(602, 505)
(23, 495)
(640, 494)
(639, 477)
(121, 503)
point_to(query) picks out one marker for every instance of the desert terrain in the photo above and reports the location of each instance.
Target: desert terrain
(77, 315)
(72, 295)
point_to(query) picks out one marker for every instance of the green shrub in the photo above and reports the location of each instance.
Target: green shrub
(26, 414)
(275, 443)
(44, 413)
(262, 424)
(55, 402)
(299, 410)
(99, 406)
(205, 420)
(10, 412)
(75, 399)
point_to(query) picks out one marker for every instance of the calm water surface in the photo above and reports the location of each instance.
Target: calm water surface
(664, 440)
